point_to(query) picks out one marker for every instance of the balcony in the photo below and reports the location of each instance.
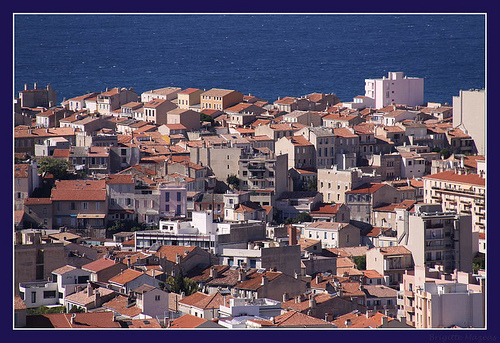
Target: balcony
(256, 167)
(410, 309)
(409, 294)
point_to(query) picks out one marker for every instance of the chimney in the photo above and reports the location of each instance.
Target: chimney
(73, 316)
(97, 300)
(297, 299)
(292, 235)
(384, 320)
(285, 297)
(312, 301)
(319, 278)
(328, 317)
(177, 258)
(264, 280)
(26, 87)
(242, 275)
(348, 323)
(213, 272)
(90, 291)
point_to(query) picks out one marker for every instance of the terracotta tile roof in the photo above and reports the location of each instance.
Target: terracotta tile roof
(372, 274)
(89, 320)
(64, 269)
(451, 176)
(37, 201)
(19, 303)
(366, 188)
(126, 276)
(21, 170)
(327, 225)
(187, 321)
(61, 153)
(296, 319)
(345, 262)
(344, 132)
(98, 265)
(119, 178)
(327, 209)
(307, 242)
(42, 133)
(189, 90)
(228, 278)
(81, 298)
(356, 251)
(286, 100)
(149, 323)
(360, 320)
(217, 92)
(379, 291)
(79, 190)
(204, 301)
(120, 305)
(170, 251)
(254, 279)
(351, 289)
(385, 207)
(394, 250)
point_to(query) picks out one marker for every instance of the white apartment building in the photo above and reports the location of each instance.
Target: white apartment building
(430, 299)
(469, 115)
(395, 88)
(460, 191)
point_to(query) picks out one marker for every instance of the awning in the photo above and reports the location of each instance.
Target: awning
(90, 216)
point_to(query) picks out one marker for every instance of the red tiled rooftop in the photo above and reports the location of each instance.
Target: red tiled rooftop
(451, 176)
(98, 265)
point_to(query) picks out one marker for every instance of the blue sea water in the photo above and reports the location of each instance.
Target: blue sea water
(267, 55)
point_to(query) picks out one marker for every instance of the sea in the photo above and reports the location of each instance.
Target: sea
(265, 55)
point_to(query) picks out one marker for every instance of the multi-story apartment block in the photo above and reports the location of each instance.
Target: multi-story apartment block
(290, 204)
(38, 97)
(428, 298)
(166, 93)
(333, 234)
(81, 205)
(459, 191)
(364, 198)
(290, 104)
(173, 199)
(277, 131)
(323, 140)
(388, 166)
(79, 103)
(395, 88)
(301, 153)
(308, 118)
(120, 191)
(187, 117)
(220, 99)
(262, 174)
(26, 179)
(155, 111)
(189, 98)
(25, 139)
(435, 237)
(469, 115)
(38, 212)
(391, 262)
(334, 182)
(113, 99)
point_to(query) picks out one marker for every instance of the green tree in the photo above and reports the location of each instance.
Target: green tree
(311, 185)
(360, 262)
(206, 117)
(54, 166)
(45, 310)
(181, 284)
(233, 181)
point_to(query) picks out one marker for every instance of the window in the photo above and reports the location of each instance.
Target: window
(157, 297)
(72, 206)
(85, 205)
(49, 294)
(178, 211)
(33, 297)
(167, 208)
(97, 206)
(178, 196)
(167, 196)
